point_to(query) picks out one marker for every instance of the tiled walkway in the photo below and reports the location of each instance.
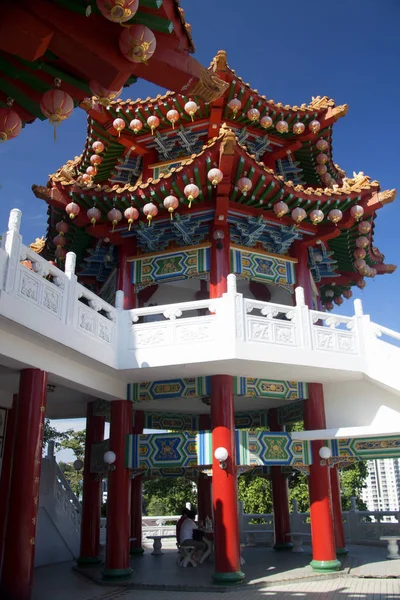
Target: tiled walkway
(367, 576)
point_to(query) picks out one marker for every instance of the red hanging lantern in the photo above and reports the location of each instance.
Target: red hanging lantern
(118, 11)
(282, 126)
(359, 253)
(316, 216)
(171, 203)
(338, 300)
(215, 176)
(62, 227)
(191, 192)
(136, 125)
(56, 105)
(321, 169)
(61, 253)
(119, 125)
(298, 128)
(94, 215)
(235, 105)
(364, 227)
(253, 115)
(357, 212)
(86, 178)
(362, 242)
(347, 294)
(322, 145)
(244, 185)
(322, 159)
(95, 160)
(173, 117)
(361, 284)
(103, 95)
(298, 215)
(153, 122)
(10, 124)
(91, 171)
(72, 209)
(329, 306)
(281, 209)
(137, 43)
(114, 215)
(59, 241)
(98, 147)
(151, 211)
(131, 214)
(314, 126)
(191, 108)
(335, 216)
(360, 264)
(266, 122)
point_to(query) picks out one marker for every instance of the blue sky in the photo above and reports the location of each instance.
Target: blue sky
(347, 49)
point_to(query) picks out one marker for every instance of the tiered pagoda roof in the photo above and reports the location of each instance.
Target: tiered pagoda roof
(138, 168)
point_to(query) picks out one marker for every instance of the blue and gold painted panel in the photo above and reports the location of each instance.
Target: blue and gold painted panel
(200, 387)
(170, 266)
(366, 448)
(263, 267)
(269, 448)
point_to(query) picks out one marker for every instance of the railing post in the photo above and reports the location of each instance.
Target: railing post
(363, 330)
(70, 262)
(353, 521)
(303, 321)
(12, 246)
(231, 317)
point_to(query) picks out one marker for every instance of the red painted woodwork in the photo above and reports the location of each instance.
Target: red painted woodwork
(204, 498)
(19, 547)
(124, 277)
(219, 262)
(91, 502)
(136, 495)
(340, 541)
(23, 34)
(322, 534)
(204, 422)
(280, 493)
(6, 467)
(118, 501)
(224, 482)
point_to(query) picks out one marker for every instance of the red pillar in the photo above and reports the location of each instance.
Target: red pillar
(280, 495)
(303, 277)
(124, 277)
(224, 483)
(337, 511)
(91, 503)
(204, 498)
(6, 469)
(136, 497)
(322, 534)
(19, 547)
(118, 497)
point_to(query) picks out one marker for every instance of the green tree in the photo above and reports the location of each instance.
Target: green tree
(168, 496)
(255, 493)
(74, 478)
(75, 441)
(52, 434)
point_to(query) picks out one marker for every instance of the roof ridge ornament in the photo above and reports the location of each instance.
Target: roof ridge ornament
(228, 140)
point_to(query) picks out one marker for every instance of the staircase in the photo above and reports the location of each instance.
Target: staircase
(59, 516)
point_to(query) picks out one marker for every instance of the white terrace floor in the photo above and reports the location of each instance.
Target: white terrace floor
(366, 575)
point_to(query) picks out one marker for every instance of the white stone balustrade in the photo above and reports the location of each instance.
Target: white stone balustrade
(232, 334)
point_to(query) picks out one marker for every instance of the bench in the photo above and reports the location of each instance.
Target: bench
(157, 544)
(185, 556)
(250, 535)
(392, 546)
(298, 540)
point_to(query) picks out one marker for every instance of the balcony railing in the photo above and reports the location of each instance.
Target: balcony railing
(206, 332)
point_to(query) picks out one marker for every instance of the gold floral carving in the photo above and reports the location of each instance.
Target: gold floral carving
(38, 245)
(387, 196)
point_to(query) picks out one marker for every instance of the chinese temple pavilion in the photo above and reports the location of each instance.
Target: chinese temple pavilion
(218, 208)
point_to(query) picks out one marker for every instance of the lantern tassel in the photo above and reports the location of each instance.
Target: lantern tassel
(130, 225)
(149, 217)
(54, 133)
(191, 116)
(170, 215)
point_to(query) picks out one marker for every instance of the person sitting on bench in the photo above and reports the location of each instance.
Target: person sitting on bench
(179, 524)
(189, 536)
